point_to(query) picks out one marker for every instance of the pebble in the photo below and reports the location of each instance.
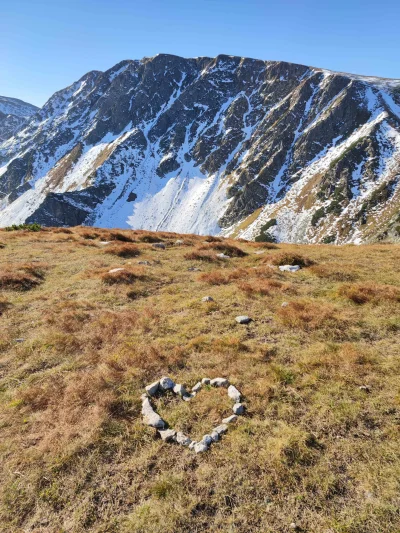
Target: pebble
(206, 381)
(289, 268)
(243, 319)
(238, 408)
(152, 388)
(229, 419)
(219, 382)
(197, 387)
(182, 439)
(115, 270)
(167, 435)
(207, 299)
(160, 245)
(166, 383)
(234, 394)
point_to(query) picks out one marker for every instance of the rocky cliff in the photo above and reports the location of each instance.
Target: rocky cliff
(259, 149)
(14, 115)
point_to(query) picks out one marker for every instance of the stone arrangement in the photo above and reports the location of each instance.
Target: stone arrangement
(166, 384)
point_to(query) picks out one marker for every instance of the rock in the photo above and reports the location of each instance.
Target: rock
(221, 429)
(200, 447)
(192, 444)
(180, 389)
(182, 439)
(214, 435)
(223, 256)
(150, 417)
(284, 304)
(289, 268)
(166, 383)
(243, 319)
(167, 435)
(144, 263)
(207, 440)
(229, 419)
(206, 381)
(238, 408)
(21, 339)
(365, 388)
(197, 387)
(219, 382)
(207, 299)
(188, 396)
(103, 243)
(194, 269)
(152, 388)
(115, 270)
(259, 252)
(234, 394)
(159, 245)
(179, 242)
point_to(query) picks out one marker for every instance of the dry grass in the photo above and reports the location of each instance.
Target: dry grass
(224, 248)
(126, 250)
(22, 277)
(288, 258)
(76, 352)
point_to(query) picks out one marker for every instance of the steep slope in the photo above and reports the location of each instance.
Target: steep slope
(212, 145)
(14, 115)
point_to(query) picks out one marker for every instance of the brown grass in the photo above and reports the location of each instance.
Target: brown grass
(264, 287)
(224, 248)
(288, 258)
(197, 255)
(126, 250)
(22, 277)
(119, 236)
(309, 315)
(334, 272)
(362, 293)
(123, 276)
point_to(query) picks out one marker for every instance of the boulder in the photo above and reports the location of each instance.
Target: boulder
(152, 388)
(166, 383)
(197, 387)
(182, 439)
(214, 435)
(200, 447)
(238, 409)
(243, 319)
(219, 382)
(207, 440)
(234, 394)
(168, 435)
(229, 419)
(205, 381)
(159, 245)
(180, 390)
(221, 429)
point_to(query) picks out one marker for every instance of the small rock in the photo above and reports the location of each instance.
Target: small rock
(234, 394)
(144, 263)
(200, 447)
(238, 408)
(179, 241)
(219, 382)
(20, 340)
(365, 388)
(207, 440)
(293, 526)
(289, 268)
(192, 445)
(197, 387)
(243, 319)
(103, 243)
(160, 245)
(229, 419)
(152, 388)
(223, 428)
(166, 383)
(206, 381)
(214, 435)
(154, 420)
(259, 252)
(207, 299)
(182, 439)
(284, 304)
(167, 435)
(223, 256)
(188, 396)
(180, 389)
(115, 270)
(194, 269)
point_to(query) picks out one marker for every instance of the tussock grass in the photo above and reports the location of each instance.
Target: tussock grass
(125, 250)
(123, 276)
(225, 248)
(76, 352)
(287, 258)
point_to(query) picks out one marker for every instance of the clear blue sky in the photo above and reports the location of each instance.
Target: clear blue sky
(46, 45)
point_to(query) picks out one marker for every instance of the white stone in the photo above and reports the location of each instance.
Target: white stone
(243, 319)
(180, 389)
(223, 256)
(229, 419)
(234, 394)
(154, 420)
(115, 270)
(284, 304)
(166, 383)
(152, 388)
(200, 447)
(219, 382)
(207, 299)
(289, 268)
(192, 444)
(197, 387)
(182, 439)
(206, 381)
(214, 435)
(238, 408)
(159, 245)
(188, 396)
(207, 440)
(167, 435)
(103, 243)
(221, 429)
(179, 241)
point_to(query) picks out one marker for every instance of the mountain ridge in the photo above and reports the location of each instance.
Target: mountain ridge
(212, 145)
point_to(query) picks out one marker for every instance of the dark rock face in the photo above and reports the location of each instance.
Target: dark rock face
(210, 145)
(14, 115)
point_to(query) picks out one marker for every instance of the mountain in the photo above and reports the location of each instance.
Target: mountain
(14, 114)
(231, 145)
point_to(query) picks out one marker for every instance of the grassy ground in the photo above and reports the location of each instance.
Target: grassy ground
(79, 344)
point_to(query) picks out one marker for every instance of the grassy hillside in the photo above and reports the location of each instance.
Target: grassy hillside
(319, 447)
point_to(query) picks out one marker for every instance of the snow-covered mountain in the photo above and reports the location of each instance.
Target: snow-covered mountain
(212, 145)
(14, 115)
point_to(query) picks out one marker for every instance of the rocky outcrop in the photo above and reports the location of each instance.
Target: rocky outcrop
(14, 115)
(259, 149)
